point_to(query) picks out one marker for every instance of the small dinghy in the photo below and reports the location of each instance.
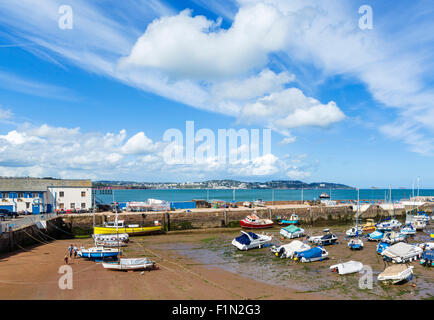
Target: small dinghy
(402, 252)
(288, 250)
(375, 236)
(382, 246)
(393, 237)
(388, 225)
(110, 243)
(354, 232)
(408, 230)
(250, 240)
(291, 221)
(427, 258)
(311, 255)
(396, 274)
(130, 264)
(254, 222)
(292, 232)
(355, 244)
(347, 267)
(327, 239)
(99, 253)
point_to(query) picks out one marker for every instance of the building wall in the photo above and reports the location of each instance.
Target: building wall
(72, 196)
(21, 201)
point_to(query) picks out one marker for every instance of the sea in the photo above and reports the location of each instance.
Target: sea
(229, 195)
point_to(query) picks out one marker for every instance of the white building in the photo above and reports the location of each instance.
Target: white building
(44, 195)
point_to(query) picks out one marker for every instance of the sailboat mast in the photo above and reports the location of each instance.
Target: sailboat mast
(358, 208)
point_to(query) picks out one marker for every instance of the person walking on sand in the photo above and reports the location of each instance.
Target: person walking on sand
(66, 259)
(75, 252)
(71, 247)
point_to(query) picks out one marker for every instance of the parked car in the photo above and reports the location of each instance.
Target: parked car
(8, 213)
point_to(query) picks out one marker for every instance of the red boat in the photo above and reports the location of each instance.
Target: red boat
(254, 222)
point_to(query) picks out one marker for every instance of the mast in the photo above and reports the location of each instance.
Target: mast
(358, 208)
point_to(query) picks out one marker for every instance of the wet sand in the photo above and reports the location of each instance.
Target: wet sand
(202, 265)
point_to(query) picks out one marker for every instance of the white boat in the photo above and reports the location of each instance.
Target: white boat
(426, 245)
(388, 225)
(355, 244)
(99, 253)
(311, 255)
(292, 232)
(259, 203)
(402, 252)
(110, 243)
(354, 231)
(250, 240)
(123, 237)
(347, 267)
(247, 204)
(393, 237)
(396, 274)
(327, 239)
(408, 230)
(130, 264)
(419, 225)
(288, 250)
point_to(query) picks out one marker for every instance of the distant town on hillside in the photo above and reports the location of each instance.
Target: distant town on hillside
(221, 184)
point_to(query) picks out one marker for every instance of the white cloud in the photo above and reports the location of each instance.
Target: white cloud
(288, 140)
(197, 48)
(5, 114)
(289, 109)
(138, 144)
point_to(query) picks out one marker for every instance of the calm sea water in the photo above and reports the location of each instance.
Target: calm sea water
(250, 195)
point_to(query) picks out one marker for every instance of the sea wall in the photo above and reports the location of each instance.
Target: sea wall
(21, 238)
(81, 224)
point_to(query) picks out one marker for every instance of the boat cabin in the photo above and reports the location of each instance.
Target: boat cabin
(112, 224)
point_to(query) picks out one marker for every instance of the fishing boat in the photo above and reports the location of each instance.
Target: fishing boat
(288, 250)
(402, 252)
(431, 235)
(382, 246)
(347, 267)
(292, 232)
(327, 239)
(311, 255)
(131, 230)
(324, 196)
(396, 274)
(293, 219)
(247, 204)
(254, 222)
(408, 230)
(388, 225)
(427, 258)
(375, 236)
(110, 243)
(423, 216)
(369, 226)
(99, 253)
(393, 237)
(126, 264)
(419, 225)
(250, 240)
(355, 244)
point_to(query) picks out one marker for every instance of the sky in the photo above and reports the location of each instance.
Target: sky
(91, 89)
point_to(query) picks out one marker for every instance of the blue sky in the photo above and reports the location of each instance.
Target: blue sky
(344, 104)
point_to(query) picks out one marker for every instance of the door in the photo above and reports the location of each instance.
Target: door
(10, 208)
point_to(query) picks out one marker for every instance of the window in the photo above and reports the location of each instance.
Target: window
(72, 205)
(83, 193)
(61, 194)
(5, 195)
(20, 194)
(61, 205)
(30, 195)
(83, 206)
(27, 205)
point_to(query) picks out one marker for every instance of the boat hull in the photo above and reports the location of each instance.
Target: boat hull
(130, 231)
(250, 225)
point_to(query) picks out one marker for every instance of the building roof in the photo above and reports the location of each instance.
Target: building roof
(39, 184)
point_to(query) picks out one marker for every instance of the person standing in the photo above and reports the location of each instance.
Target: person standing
(66, 259)
(71, 247)
(75, 252)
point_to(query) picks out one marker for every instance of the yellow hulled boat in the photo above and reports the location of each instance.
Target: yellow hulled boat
(369, 226)
(132, 230)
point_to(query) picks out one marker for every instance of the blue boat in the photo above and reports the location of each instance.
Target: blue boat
(292, 220)
(99, 253)
(382, 246)
(314, 254)
(375, 236)
(427, 258)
